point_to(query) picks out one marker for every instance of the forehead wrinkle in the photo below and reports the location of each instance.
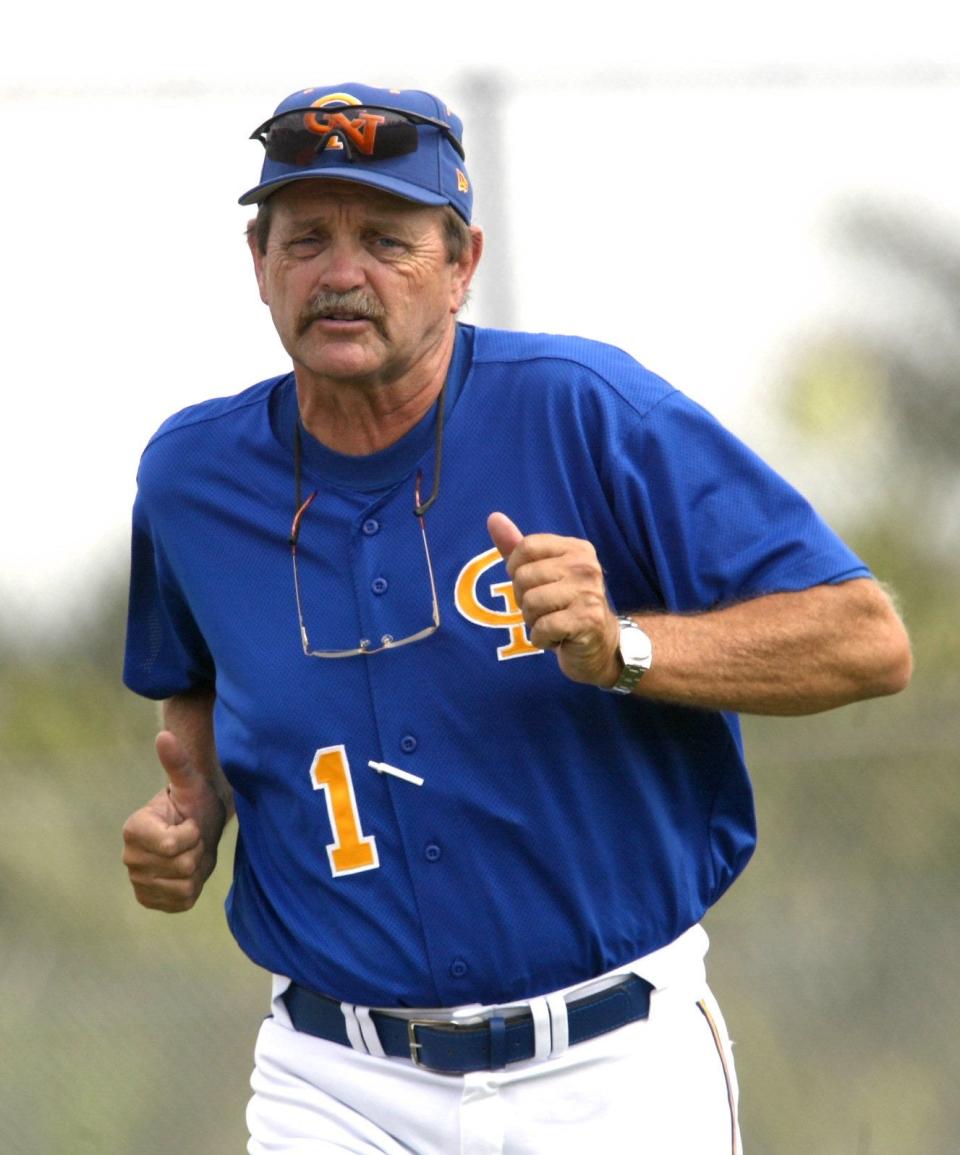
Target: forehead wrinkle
(320, 193)
(385, 213)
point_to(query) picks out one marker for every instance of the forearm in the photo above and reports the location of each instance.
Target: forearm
(190, 718)
(789, 653)
(785, 653)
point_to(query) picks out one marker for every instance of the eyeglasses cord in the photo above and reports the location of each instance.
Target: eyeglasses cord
(419, 509)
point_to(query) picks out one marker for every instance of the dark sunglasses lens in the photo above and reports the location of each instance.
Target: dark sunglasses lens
(396, 137)
(289, 142)
(297, 137)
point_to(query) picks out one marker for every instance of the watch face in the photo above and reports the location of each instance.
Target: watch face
(635, 647)
(636, 653)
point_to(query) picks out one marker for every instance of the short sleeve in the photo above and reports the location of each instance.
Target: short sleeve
(165, 650)
(716, 522)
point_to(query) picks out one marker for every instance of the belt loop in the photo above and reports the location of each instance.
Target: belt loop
(368, 1032)
(559, 1032)
(354, 1030)
(541, 1028)
(278, 1006)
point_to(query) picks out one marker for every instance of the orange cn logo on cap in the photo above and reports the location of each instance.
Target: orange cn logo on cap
(360, 130)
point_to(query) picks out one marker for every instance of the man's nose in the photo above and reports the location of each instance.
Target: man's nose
(343, 267)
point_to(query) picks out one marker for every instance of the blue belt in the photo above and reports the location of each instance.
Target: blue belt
(454, 1048)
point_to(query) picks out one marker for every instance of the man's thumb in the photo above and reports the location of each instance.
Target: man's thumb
(503, 533)
(184, 776)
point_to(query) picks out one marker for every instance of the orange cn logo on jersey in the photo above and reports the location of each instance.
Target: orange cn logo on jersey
(359, 130)
(467, 597)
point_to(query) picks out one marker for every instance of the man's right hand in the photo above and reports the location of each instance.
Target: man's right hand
(170, 845)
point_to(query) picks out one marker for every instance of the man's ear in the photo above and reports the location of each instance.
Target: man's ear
(258, 263)
(466, 267)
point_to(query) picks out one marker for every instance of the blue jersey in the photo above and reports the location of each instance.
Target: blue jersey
(560, 831)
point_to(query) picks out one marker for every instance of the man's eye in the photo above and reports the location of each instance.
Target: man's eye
(303, 245)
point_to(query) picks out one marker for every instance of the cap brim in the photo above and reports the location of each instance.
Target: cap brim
(400, 188)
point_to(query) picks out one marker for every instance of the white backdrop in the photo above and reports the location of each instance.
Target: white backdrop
(668, 184)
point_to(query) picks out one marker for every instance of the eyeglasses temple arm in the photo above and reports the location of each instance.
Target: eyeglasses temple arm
(420, 508)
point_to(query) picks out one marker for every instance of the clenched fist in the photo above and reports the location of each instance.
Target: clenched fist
(170, 845)
(560, 590)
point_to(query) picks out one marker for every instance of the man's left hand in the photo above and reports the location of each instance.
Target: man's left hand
(560, 590)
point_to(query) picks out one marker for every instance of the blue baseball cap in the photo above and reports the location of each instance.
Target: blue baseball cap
(405, 142)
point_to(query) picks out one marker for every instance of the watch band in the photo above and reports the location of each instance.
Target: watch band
(636, 653)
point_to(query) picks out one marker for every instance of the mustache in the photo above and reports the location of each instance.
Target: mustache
(354, 303)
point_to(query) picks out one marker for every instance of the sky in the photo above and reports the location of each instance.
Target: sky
(661, 178)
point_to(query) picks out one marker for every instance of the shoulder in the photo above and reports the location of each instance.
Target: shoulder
(570, 364)
(193, 440)
(217, 410)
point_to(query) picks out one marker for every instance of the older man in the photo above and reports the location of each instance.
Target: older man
(489, 781)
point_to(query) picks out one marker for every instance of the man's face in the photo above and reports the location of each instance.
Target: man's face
(358, 282)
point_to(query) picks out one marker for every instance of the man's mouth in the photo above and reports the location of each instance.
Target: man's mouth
(336, 320)
(341, 313)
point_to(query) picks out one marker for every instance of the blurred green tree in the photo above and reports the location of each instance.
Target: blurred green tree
(872, 400)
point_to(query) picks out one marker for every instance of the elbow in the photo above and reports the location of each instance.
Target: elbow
(896, 669)
(891, 667)
(881, 659)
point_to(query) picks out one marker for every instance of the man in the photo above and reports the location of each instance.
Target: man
(487, 772)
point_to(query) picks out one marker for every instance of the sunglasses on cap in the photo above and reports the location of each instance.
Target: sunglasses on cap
(363, 131)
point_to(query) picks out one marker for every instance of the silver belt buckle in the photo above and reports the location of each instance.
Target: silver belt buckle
(436, 1025)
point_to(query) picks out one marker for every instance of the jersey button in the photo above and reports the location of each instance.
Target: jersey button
(370, 527)
(379, 585)
(458, 968)
(408, 743)
(432, 852)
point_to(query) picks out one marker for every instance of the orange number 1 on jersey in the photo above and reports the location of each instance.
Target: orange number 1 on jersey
(350, 851)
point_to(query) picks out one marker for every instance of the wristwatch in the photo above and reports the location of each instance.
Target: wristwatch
(636, 653)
